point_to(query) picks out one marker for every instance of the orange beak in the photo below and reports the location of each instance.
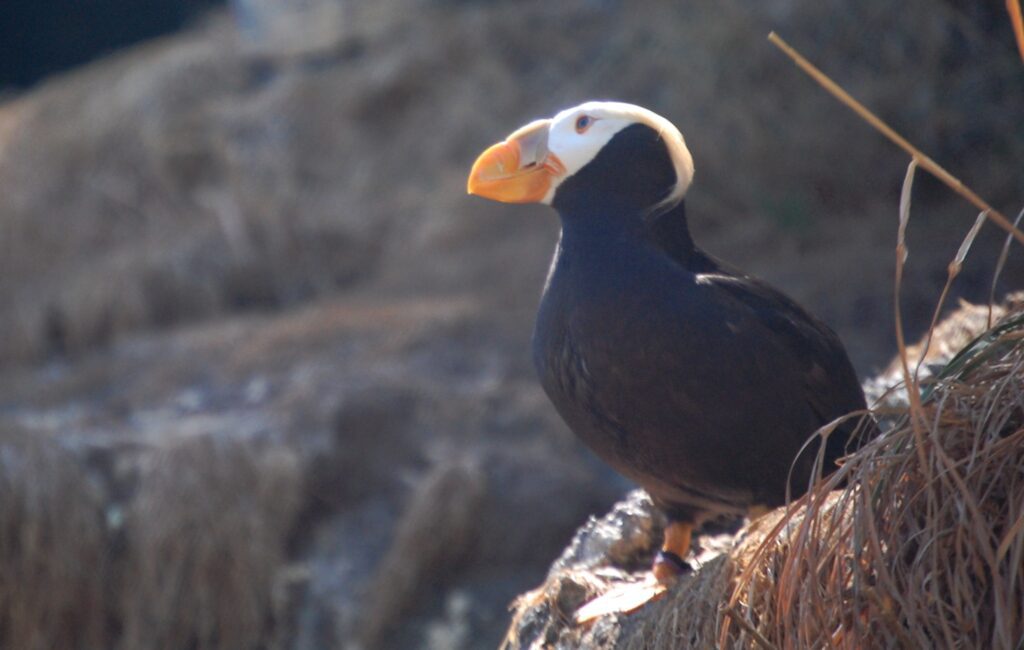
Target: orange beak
(518, 170)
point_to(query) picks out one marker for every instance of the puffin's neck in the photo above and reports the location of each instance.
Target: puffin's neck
(607, 221)
(605, 230)
(600, 237)
(671, 233)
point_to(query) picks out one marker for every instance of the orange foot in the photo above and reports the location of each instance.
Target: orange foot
(629, 597)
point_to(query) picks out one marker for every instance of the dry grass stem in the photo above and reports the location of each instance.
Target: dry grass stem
(927, 163)
(902, 252)
(952, 271)
(1000, 264)
(1017, 20)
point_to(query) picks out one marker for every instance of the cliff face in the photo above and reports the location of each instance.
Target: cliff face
(267, 365)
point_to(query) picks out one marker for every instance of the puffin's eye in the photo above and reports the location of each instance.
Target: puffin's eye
(583, 123)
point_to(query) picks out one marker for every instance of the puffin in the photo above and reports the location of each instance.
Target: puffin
(700, 383)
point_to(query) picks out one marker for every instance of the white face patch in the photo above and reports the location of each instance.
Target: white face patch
(576, 135)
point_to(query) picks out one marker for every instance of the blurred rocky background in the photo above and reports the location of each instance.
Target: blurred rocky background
(265, 375)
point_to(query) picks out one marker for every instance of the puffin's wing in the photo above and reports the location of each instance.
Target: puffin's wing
(829, 382)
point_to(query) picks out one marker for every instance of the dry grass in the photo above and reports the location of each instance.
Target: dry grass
(52, 548)
(434, 537)
(927, 548)
(204, 541)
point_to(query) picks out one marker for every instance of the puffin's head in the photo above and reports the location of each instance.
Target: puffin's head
(607, 152)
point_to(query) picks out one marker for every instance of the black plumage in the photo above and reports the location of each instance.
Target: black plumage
(697, 381)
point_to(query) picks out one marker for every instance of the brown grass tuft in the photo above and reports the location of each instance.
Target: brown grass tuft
(205, 538)
(433, 539)
(927, 548)
(52, 547)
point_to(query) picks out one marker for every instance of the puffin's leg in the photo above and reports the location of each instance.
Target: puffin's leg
(669, 563)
